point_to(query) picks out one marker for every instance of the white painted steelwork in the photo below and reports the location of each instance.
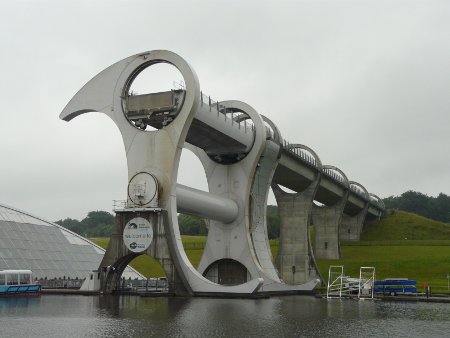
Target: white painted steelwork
(154, 152)
(205, 204)
(335, 276)
(366, 282)
(240, 163)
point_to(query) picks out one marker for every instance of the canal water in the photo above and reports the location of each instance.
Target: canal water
(288, 316)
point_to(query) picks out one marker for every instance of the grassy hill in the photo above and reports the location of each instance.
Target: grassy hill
(402, 225)
(149, 267)
(401, 245)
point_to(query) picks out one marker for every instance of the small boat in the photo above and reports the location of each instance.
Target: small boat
(18, 283)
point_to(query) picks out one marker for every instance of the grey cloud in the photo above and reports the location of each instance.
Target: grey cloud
(364, 83)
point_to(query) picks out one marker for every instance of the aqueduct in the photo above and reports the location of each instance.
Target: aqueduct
(243, 154)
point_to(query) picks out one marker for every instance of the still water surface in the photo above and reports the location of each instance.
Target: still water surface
(289, 316)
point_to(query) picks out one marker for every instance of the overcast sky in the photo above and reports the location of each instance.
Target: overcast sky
(366, 84)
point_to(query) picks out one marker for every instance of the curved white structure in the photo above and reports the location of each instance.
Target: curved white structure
(154, 153)
(242, 152)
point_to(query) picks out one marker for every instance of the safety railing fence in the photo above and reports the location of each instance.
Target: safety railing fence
(300, 153)
(241, 120)
(332, 173)
(214, 106)
(377, 202)
(306, 157)
(60, 283)
(245, 123)
(119, 204)
(144, 285)
(358, 191)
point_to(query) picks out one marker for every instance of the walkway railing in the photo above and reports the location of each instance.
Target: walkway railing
(244, 123)
(358, 191)
(304, 156)
(332, 174)
(301, 154)
(377, 202)
(237, 118)
(60, 283)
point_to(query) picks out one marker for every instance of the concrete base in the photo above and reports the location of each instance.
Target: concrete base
(117, 256)
(282, 288)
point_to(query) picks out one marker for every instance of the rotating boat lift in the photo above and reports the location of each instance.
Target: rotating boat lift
(242, 152)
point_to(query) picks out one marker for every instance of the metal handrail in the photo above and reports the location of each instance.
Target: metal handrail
(301, 154)
(221, 110)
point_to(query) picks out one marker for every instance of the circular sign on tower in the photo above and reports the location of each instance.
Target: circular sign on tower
(138, 234)
(143, 189)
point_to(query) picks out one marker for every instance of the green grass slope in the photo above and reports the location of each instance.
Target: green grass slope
(426, 264)
(402, 245)
(149, 267)
(402, 225)
(424, 255)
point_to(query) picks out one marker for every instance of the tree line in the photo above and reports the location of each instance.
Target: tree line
(95, 224)
(100, 223)
(195, 226)
(437, 208)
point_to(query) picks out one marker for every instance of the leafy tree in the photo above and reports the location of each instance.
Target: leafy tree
(96, 218)
(100, 223)
(71, 224)
(96, 224)
(196, 226)
(437, 208)
(442, 208)
(192, 225)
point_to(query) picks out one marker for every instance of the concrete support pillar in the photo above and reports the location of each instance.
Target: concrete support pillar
(295, 261)
(243, 242)
(351, 226)
(118, 256)
(326, 220)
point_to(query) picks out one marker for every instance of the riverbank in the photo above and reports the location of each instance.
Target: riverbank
(436, 298)
(423, 260)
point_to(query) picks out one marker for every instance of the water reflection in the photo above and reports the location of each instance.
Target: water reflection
(111, 316)
(9, 305)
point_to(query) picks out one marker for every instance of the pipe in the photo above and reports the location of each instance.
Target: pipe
(206, 205)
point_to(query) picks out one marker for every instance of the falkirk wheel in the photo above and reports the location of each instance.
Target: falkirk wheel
(242, 153)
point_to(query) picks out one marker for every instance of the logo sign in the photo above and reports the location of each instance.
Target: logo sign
(138, 234)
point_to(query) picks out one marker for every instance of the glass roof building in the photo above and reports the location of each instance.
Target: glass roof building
(49, 250)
